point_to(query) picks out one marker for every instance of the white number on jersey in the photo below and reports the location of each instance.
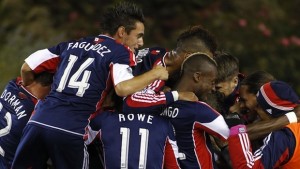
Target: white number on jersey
(144, 133)
(6, 129)
(74, 83)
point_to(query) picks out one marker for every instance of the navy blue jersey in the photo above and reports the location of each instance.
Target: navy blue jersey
(135, 140)
(84, 71)
(150, 99)
(16, 106)
(192, 122)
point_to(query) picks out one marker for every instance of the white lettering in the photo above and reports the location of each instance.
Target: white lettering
(139, 117)
(11, 99)
(75, 46)
(99, 48)
(150, 119)
(14, 102)
(130, 117)
(69, 45)
(121, 117)
(82, 44)
(21, 114)
(7, 96)
(170, 112)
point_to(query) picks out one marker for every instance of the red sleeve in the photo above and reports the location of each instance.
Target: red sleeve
(240, 152)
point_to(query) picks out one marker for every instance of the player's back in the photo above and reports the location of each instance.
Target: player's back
(133, 140)
(81, 81)
(192, 121)
(16, 106)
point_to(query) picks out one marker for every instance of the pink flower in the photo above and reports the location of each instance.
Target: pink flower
(264, 29)
(295, 40)
(285, 42)
(243, 22)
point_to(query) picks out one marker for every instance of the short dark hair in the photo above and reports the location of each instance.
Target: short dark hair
(197, 62)
(122, 14)
(228, 66)
(256, 79)
(197, 33)
(44, 78)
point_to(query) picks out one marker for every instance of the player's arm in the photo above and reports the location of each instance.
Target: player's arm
(274, 152)
(37, 62)
(137, 83)
(149, 101)
(260, 129)
(211, 121)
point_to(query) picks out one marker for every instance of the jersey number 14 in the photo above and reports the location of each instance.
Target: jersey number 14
(74, 83)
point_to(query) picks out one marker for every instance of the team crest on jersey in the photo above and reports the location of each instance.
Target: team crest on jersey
(140, 54)
(144, 52)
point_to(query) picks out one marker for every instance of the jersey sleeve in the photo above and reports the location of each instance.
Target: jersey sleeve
(209, 120)
(274, 152)
(148, 100)
(46, 59)
(171, 151)
(121, 65)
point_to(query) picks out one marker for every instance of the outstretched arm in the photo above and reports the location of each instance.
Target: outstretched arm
(260, 129)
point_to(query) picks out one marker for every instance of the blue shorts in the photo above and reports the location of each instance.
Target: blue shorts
(38, 143)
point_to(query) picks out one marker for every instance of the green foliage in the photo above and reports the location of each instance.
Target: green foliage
(263, 34)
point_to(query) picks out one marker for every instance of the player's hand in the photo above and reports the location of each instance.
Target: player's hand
(161, 72)
(187, 96)
(233, 119)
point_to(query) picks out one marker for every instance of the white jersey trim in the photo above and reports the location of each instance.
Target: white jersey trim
(57, 128)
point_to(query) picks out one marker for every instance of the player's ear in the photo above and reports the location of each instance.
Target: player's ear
(236, 80)
(197, 77)
(121, 31)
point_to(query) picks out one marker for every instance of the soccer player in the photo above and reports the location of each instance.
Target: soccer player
(85, 70)
(135, 140)
(228, 81)
(193, 121)
(17, 103)
(151, 99)
(248, 90)
(281, 147)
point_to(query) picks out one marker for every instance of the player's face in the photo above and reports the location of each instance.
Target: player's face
(134, 39)
(228, 86)
(207, 84)
(247, 99)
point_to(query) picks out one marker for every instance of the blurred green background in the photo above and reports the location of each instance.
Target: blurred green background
(263, 34)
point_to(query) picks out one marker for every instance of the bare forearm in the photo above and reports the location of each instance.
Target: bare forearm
(135, 84)
(260, 129)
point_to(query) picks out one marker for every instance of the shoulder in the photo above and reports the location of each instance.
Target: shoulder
(152, 52)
